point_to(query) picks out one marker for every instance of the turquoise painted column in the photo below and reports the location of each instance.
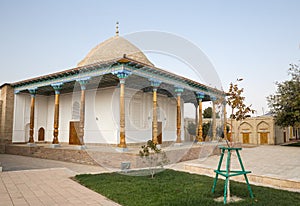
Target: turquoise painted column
(178, 91)
(57, 87)
(32, 108)
(214, 123)
(122, 75)
(200, 97)
(83, 83)
(155, 84)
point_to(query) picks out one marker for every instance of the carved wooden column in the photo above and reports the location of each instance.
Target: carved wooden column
(196, 118)
(155, 84)
(57, 88)
(83, 83)
(178, 91)
(214, 123)
(200, 96)
(225, 120)
(122, 75)
(32, 108)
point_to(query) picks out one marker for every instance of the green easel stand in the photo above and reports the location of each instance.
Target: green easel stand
(226, 173)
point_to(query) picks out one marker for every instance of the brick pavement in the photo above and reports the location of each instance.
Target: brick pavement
(48, 186)
(271, 165)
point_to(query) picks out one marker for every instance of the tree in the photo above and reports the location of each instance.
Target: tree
(235, 100)
(207, 113)
(206, 130)
(239, 111)
(285, 103)
(192, 128)
(153, 157)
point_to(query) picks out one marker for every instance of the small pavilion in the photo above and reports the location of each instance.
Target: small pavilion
(114, 96)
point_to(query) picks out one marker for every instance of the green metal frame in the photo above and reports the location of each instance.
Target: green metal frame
(226, 173)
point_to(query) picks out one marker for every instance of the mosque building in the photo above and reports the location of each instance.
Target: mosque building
(114, 96)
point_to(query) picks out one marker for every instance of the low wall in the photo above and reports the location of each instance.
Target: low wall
(105, 157)
(76, 156)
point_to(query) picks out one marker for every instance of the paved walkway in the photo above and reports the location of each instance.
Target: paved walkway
(48, 186)
(275, 166)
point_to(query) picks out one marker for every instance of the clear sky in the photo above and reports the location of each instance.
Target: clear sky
(255, 40)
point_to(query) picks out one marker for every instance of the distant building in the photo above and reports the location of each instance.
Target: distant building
(254, 130)
(262, 130)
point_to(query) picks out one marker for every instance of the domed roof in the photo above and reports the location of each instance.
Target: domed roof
(114, 48)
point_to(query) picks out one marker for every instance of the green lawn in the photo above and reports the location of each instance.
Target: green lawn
(297, 144)
(178, 188)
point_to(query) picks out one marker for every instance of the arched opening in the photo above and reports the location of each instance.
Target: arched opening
(246, 130)
(263, 129)
(41, 134)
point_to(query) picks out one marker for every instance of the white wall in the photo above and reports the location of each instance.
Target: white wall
(101, 116)
(22, 116)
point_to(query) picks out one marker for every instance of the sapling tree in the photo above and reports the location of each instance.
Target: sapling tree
(153, 157)
(239, 111)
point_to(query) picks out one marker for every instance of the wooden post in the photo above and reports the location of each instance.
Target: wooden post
(196, 118)
(122, 114)
(82, 83)
(122, 75)
(57, 88)
(32, 107)
(178, 91)
(225, 120)
(214, 124)
(200, 96)
(155, 84)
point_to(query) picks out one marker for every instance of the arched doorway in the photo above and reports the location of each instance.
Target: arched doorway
(41, 134)
(263, 129)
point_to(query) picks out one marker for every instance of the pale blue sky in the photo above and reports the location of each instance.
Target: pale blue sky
(256, 40)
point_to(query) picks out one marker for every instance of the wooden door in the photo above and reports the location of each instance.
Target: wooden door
(41, 134)
(159, 132)
(246, 138)
(263, 138)
(284, 136)
(73, 135)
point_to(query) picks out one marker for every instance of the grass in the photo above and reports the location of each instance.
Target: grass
(297, 144)
(174, 188)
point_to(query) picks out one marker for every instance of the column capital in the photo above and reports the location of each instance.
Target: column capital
(200, 95)
(83, 82)
(213, 98)
(57, 87)
(224, 102)
(154, 82)
(32, 91)
(178, 90)
(122, 74)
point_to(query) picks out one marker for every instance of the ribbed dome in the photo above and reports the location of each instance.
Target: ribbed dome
(113, 48)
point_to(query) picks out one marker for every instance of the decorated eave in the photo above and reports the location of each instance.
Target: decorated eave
(139, 73)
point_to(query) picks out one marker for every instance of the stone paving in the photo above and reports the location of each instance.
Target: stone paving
(273, 166)
(49, 186)
(33, 181)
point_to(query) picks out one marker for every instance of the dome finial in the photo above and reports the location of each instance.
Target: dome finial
(117, 28)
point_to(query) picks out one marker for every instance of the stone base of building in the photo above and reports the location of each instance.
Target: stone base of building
(107, 156)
